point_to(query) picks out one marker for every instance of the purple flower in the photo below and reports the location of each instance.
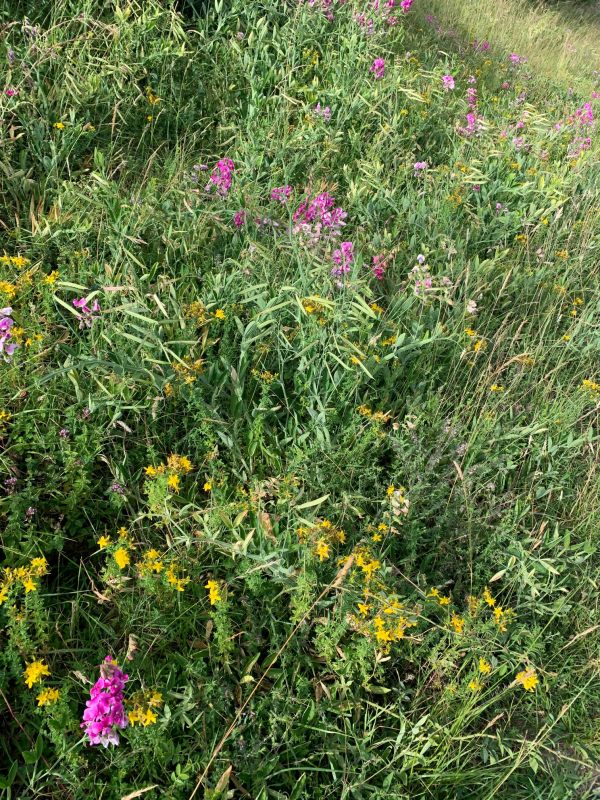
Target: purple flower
(87, 315)
(239, 218)
(104, 711)
(6, 323)
(11, 55)
(221, 177)
(117, 488)
(421, 258)
(11, 92)
(342, 258)
(281, 193)
(64, 433)
(514, 58)
(448, 82)
(378, 68)
(379, 267)
(324, 113)
(318, 217)
(420, 168)
(30, 513)
(9, 484)
(405, 5)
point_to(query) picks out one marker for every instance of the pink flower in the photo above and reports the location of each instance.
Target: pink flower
(514, 58)
(379, 267)
(104, 711)
(7, 348)
(11, 92)
(420, 167)
(342, 258)
(239, 218)
(221, 177)
(378, 68)
(448, 82)
(87, 315)
(281, 193)
(405, 5)
(324, 113)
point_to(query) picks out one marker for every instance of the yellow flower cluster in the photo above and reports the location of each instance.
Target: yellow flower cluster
(34, 672)
(197, 312)
(48, 697)
(176, 580)
(591, 386)
(143, 712)
(321, 537)
(376, 416)
(175, 466)
(15, 261)
(528, 679)
(22, 575)
(265, 376)
(383, 619)
(189, 369)
(214, 592)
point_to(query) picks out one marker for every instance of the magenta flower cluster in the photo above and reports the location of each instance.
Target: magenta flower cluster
(342, 259)
(324, 113)
(281, 193)
(379, 266)
(86, 314)
(104, 712)
(221, 177)
(448, 82)
(378, 68)
(7, 348)
(318, 217)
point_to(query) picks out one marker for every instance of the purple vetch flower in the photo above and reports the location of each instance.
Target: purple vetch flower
(378, 68)
(405, 5)
(64, 433)
(7, 348)
(104, 711)
(342, 258)
(448, 82)
(117, 488)
(421, 258)
(379, 266)
(324, 113)
(86, 314)
(30, 513)
(239, 218)
(221, 177)
(420, 167)
(281, 193)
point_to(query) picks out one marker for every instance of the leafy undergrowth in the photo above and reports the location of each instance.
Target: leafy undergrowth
(299, 408)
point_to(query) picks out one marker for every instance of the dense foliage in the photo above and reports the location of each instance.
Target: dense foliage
(299, 326)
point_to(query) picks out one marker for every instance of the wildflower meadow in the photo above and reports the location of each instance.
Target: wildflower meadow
(299, 400)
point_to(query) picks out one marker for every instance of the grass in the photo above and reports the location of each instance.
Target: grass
(340, 530)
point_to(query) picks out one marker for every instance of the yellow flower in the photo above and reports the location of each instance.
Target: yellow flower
(496, 387)
(322, 549)
(103, 542)
(155, 700)
(484, 666)
(458, 623)
(34, 672)
(207, 486)
(122, 557)
(47, 697)
(390, 490)
(363, 609)
(488, 597)
(444, 601)
(173, 482)
(470, 332)
(149, 117)
(214, 592)
(475, 685)
(29, 585)
(528, 679)
(51, 279)
(59, 125)
(220, 314)
(151, 471)
(3, 594)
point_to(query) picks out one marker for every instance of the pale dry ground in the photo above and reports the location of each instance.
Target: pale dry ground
(561, 41)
